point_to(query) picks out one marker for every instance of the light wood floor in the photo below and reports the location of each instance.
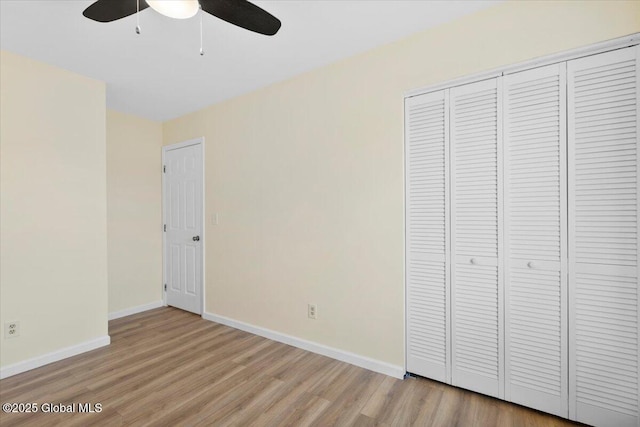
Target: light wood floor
(167, 367)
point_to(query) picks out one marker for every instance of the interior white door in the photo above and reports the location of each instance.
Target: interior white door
(427, 235)
(603, 149)
(183, 221)
(536, 358)
(476, 229)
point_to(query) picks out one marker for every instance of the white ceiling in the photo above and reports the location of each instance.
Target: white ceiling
(160, 74)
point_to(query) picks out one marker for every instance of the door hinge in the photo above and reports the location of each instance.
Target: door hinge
(165, 228)
(164, 169)
(165, 286)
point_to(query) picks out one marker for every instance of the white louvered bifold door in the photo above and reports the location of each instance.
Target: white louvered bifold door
(427, 234)
(603, 238)
(536, 372)
(476, 217)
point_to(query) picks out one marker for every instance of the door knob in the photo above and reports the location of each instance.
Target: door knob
(196, 238)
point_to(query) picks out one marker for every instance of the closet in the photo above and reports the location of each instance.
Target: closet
(522, 237)
(476, 217)
(535, 262)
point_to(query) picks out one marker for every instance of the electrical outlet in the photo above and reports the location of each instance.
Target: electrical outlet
(312, 311)
(12, 329)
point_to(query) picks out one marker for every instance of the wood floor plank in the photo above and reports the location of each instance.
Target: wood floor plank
(425, 397)
(405, 403)
(168, 367)
(128, 374)
(213, 406)
(365, 421)
(303, 412)
(350, 401)
(253, 409)
(280, 409)
(174, 395)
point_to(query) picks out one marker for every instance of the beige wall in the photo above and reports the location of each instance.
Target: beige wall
(307, 175)
(134, 211)
(53, 250)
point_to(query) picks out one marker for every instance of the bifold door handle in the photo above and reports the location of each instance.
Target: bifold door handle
(196, 238)
(530, 264)
(473, 261)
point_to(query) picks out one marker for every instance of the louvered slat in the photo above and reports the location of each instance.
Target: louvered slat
(535, 239)
(477, 353)
(427, 241)
(603, 209)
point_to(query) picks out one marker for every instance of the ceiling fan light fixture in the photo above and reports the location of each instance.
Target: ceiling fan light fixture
(179, 9)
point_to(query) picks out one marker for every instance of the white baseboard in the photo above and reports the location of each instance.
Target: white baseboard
(334, 353)
(54, 356)
(135, 310)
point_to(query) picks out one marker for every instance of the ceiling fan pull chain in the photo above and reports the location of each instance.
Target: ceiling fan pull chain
(201, 44)
(137, 16)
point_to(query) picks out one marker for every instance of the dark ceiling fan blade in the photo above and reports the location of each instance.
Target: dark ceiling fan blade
(243, 14)
(111, 10)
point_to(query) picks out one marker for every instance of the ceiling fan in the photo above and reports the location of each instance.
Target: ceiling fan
(237, 12)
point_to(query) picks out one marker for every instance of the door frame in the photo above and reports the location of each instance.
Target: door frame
(196, 141)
